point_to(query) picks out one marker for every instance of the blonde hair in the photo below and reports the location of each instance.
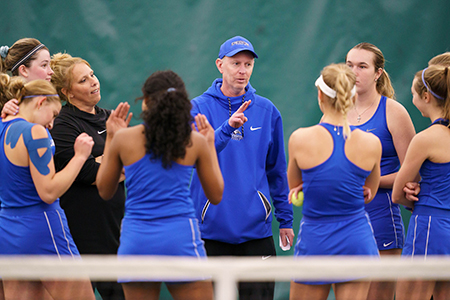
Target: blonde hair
(384, 85)
(62, 65)
(16, 87)
(437, 78)
(441, 59)
(17, 51)
(341, 78)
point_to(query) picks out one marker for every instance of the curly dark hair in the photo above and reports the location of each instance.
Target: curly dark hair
(167, 118)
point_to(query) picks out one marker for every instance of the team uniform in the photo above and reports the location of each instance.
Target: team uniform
(385, 215)
(160, 216)
(334, 220)
(28, 225)
(429, 226)
(93, 222)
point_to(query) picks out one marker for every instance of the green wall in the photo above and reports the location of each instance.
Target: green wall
(125, 41)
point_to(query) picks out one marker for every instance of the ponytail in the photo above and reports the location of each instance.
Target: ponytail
(16, 87)
(341, 79)
(11, 87)
(447, 98)
(167, 117)
(384, 85)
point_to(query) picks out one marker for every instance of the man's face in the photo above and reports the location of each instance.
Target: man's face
(236, 72)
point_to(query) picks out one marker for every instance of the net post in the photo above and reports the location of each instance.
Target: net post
(225, 286)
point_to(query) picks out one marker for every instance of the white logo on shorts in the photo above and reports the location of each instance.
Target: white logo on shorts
(385, 245)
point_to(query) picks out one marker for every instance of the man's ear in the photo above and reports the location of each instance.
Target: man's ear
(219, 64)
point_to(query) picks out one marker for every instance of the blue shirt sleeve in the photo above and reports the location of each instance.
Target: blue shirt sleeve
(277, 175)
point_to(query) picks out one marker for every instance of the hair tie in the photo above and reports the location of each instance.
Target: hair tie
(171, 89)
(31, 96)
(26, 57)
(428, 88)
(4, 51)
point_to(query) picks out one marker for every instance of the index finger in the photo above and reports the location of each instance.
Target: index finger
(244, 106)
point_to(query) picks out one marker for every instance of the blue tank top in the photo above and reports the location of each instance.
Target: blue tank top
(17, 188)
(335, 187)
(434, 196)
(154, 192)
(377, 125)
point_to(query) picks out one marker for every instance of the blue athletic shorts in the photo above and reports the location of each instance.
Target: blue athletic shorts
(38, 229)
(428, 234)
(349, 235)
(174, 236)
(386, 220)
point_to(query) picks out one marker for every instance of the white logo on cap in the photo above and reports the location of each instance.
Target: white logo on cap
(239, 43)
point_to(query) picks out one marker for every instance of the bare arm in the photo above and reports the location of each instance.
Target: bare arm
(414, 158)
(110, 172)
(402, 131)
(10, 108)
(294, 173)
(108, 175)
(52, 185)
(207, 164)
(373, 180)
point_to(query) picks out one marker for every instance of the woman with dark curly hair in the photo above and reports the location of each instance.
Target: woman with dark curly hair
(159, 156)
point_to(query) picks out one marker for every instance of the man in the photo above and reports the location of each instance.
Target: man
(251, 154)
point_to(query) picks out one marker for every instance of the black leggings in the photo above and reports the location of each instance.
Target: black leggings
(264, 248)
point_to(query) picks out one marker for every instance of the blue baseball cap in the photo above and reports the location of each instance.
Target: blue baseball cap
(235, 45)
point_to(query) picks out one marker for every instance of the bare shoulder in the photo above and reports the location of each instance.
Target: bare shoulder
(399, 121)
(305, 134)
(433, 135)
(38, 131)
(125, 135)
(392, 104)
(366, 140)
(396, 110)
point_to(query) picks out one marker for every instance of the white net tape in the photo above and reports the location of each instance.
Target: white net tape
(225, 271)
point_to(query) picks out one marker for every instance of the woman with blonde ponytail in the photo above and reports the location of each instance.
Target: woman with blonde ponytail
(334, 220)
(428, 155)
(377, 112)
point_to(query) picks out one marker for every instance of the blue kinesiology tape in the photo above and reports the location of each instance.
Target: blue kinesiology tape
(23, 129)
